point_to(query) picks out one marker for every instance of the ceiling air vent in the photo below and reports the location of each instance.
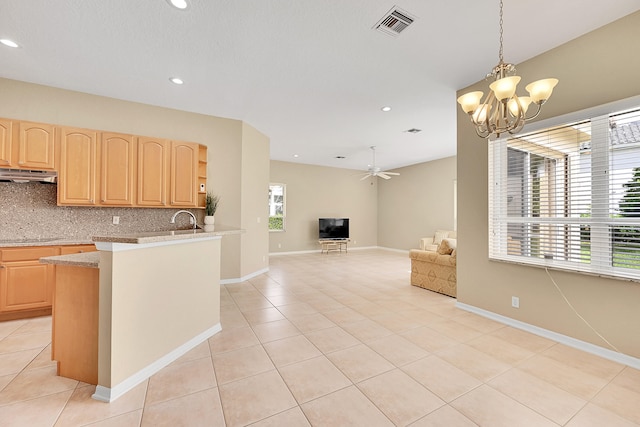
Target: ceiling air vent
(394, 22)
(413, 130)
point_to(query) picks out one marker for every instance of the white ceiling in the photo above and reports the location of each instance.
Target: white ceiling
(310, 74)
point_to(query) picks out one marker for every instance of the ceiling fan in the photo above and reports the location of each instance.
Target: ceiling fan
(375, 171)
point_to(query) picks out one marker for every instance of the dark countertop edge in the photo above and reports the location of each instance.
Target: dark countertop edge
(85, 259)
(61, 242)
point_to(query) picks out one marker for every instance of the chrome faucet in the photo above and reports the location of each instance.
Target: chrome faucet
(173, 218)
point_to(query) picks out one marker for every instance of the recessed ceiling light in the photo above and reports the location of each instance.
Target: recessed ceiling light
(179, 4)
(176, 80)
(8, 42)
(385, 109)
(296, 156)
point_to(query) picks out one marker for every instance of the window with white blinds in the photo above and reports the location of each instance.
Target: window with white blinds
(569, 197)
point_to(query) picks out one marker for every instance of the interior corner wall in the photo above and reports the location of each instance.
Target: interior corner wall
(416, 203)
(594, 69)
(314, 192)
(223, 137)
(254, 253)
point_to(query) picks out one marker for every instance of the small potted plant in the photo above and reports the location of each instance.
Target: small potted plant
(210, 207)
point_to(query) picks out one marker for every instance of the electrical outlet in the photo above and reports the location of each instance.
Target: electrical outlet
(258, 220)
(116, 220)
(515, 302)
(279, 245)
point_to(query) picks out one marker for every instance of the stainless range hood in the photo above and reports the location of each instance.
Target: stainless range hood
(24, 175)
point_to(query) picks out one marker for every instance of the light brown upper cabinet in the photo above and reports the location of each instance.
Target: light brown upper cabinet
(117, 169)
(77, 174)
(5, 142)
(108, 169)
(36, 146)
(153, 171)
(184, 172)
(27, 145)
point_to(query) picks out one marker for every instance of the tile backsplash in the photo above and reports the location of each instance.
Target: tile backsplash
(29, 210)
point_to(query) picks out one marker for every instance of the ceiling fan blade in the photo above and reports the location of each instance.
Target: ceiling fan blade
(383, 175)
(365, 177)
(391, 173)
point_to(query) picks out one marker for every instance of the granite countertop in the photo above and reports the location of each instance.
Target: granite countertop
(43, 241)
(85, 259)
(142, 237)
(167, 235)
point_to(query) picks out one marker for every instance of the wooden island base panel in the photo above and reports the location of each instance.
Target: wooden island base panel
(74, 343)
(75, 323)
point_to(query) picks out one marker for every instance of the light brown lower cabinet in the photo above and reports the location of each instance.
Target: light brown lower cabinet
(26, 285)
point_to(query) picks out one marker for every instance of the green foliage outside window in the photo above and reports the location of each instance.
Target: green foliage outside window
(276, 222)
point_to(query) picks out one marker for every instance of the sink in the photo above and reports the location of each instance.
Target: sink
(190, 227)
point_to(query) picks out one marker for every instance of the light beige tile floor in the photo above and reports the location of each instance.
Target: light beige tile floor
(334, 340)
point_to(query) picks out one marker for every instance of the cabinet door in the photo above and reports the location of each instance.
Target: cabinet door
(5, 142)
(77, 175)
(153, 157)
(24, 282)
(36, 146)
(117, 171)
(26, 285)
(184, 169)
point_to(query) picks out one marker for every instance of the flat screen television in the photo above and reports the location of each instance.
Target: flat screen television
(333, 228)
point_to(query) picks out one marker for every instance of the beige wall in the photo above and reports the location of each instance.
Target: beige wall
(416, 203)
(594, 69)
(141, 324)
(254, 255)
(315, 192)
(224, 138)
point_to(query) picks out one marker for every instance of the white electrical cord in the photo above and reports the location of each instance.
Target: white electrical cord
(578, 314)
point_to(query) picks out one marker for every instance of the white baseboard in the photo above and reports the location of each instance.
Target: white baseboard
(106, 394)
(563, 339)
(247, 277)
(294, 252)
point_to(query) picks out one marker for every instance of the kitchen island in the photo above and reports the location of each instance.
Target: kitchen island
(158, 297)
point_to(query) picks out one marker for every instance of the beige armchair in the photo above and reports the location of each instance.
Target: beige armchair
(433, 266)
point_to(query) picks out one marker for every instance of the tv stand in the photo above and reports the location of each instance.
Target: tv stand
(333, 245)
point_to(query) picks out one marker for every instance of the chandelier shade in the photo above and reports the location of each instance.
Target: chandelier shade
(502, 111)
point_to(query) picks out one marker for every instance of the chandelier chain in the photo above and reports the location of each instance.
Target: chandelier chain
(500, 54)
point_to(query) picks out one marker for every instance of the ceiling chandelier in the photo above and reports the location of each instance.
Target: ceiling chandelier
(502, 110)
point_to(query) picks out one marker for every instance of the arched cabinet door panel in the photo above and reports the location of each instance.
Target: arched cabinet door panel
(117, 169)
(36, 146)
(77, 174)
